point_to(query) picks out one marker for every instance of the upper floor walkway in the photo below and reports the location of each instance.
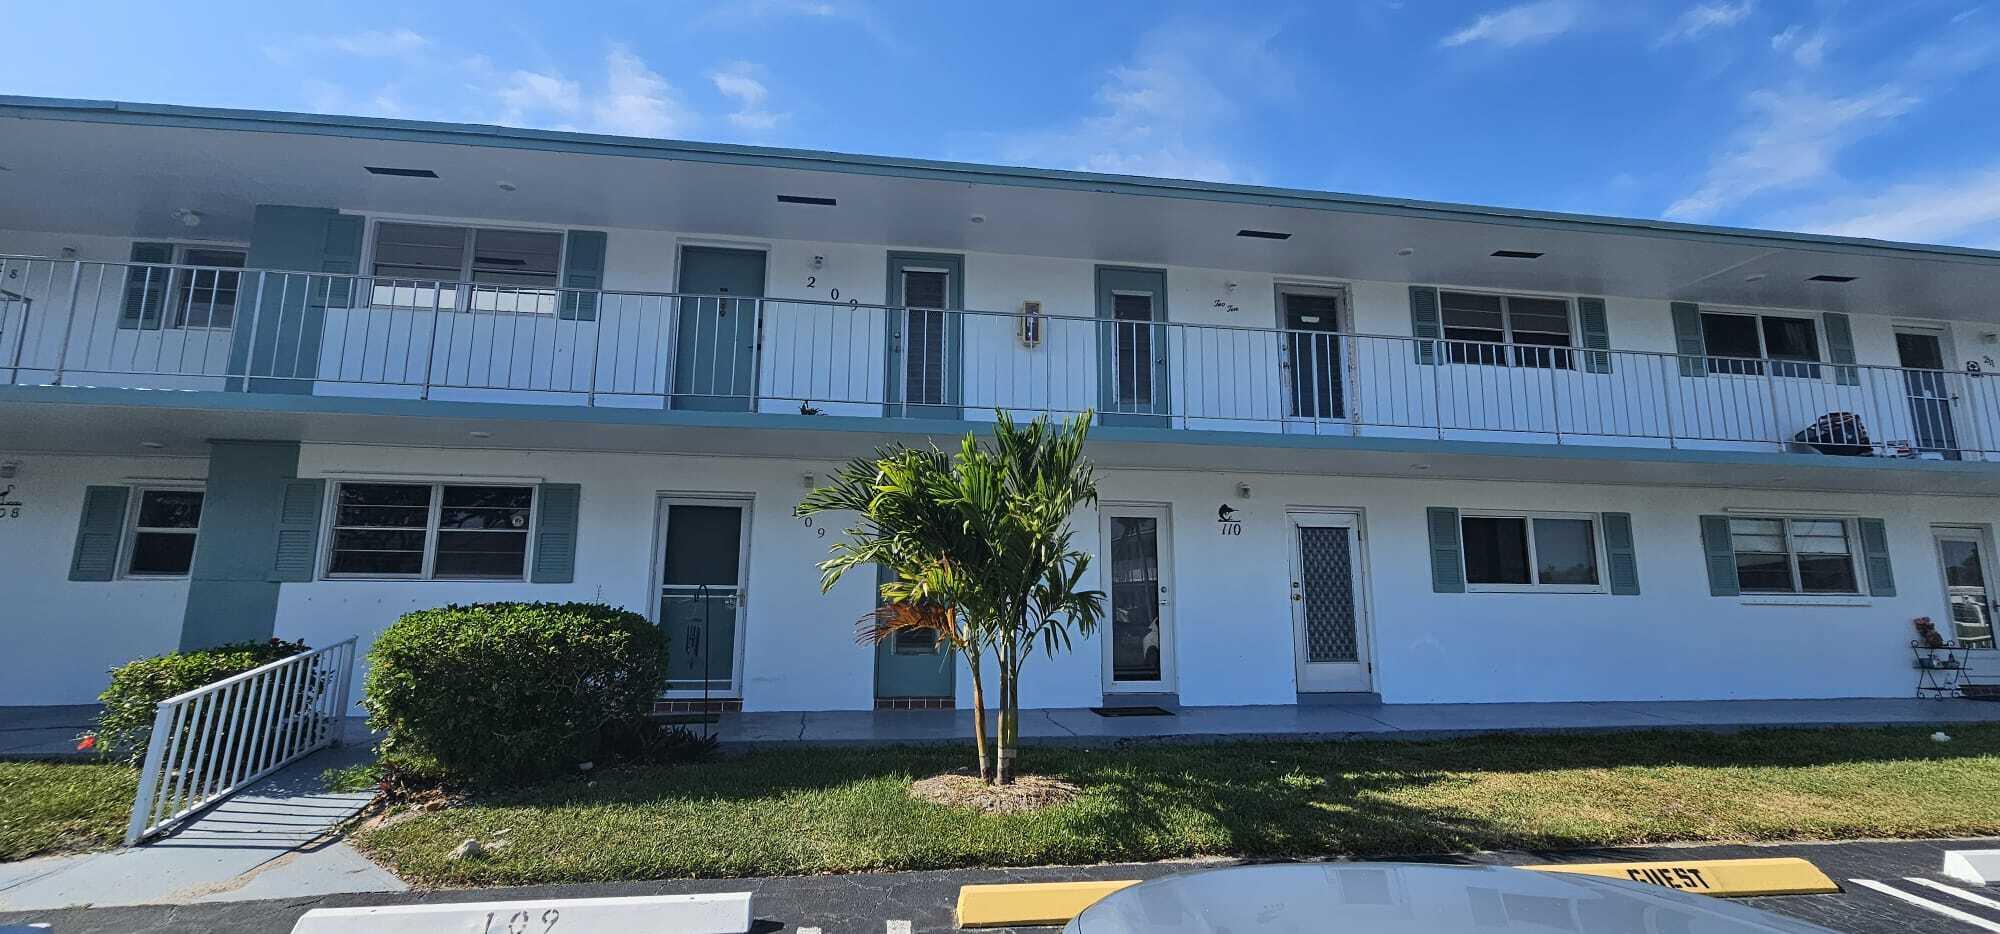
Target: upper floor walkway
(230, 330)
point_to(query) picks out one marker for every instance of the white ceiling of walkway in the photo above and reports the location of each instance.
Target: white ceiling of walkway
(76, 176)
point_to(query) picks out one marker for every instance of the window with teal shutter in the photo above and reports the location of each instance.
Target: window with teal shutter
(583, 269)
(555, 533)
(1424, 324)
(1840, 348)
(1447, 554)
(1595, 326)
(296, 551)
(98, 533)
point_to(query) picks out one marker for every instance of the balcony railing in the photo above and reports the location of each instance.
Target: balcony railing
(227, 330)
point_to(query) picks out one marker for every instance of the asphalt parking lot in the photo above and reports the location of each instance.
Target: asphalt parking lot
(1880, 894)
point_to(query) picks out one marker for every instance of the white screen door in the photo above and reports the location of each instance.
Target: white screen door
(1137, 562)
(1329, 612)
(1968, 592)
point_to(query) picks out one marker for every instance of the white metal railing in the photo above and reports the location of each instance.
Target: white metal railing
(184, 327)
(211, 742)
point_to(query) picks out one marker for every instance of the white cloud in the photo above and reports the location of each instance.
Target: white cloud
(1791, 139)
(530, 92)
(1164, 112)
(1519, 25)
(1705, 18)
(1961, 208)
(636, 100)
(739, 82)
(379, 43)
(1807, 50)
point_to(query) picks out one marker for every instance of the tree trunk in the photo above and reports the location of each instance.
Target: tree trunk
(1010, 714)
(978, 710)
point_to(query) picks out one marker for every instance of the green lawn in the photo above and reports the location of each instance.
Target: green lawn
(818, 810)
(51, 807)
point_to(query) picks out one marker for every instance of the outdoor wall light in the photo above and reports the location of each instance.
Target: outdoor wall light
(1243, 491)
(9, 469)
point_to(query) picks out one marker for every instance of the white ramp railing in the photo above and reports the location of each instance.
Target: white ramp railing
(212, 741)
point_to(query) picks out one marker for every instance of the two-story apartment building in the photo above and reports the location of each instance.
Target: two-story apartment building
(275, 374)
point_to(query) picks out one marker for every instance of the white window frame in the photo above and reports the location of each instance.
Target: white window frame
(172, 312)
(1766, 364)
(1509, 356)
(1855, 559)
(1596, 521)
(462, 301)
(129, 546)
(431, 518)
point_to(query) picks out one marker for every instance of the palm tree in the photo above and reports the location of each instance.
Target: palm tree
(979, 546)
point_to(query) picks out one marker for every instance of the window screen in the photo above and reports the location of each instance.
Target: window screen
(163, 534)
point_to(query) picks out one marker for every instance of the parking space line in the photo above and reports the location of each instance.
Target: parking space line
(1955, 891)
(1928, 905)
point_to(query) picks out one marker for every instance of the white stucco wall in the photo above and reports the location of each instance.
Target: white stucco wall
(60, 636)
(1231, 608)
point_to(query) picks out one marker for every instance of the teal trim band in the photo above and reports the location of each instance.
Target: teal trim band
(920, 428)
(214, 118)
(232, 596)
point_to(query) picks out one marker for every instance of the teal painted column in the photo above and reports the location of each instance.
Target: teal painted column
(231, 596)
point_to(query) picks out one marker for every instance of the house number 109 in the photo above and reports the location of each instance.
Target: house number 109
(519, 922)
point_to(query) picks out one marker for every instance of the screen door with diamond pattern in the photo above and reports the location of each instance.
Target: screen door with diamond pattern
(1329, 615)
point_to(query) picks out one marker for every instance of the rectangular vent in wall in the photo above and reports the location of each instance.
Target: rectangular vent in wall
(1264, 234)
(1518, 254)
(1831, 279)
(399, 173)
(806, 199)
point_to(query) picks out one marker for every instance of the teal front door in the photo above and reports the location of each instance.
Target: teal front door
(701, 593)
(912, 664)
(716, 331)
(1132, 346)
(926, 340)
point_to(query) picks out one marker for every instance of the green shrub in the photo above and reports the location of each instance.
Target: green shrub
(500, 691)
(137, 687)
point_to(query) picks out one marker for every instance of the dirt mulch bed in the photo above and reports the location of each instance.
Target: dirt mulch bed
(1024, 793)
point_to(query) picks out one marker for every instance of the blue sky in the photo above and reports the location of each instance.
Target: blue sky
(1863, 118)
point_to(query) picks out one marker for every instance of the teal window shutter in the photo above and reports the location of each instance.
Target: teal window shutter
(1721, 553)
(555, 533)
(1840, 348)
(146, 287)
(1595, 326)
(295, 558)
(1687, 339)
(340, 256)
(1447, 554)
(1875, 551)
(99, 533)
(1622, 560)
(1424, 324)
(583, 268)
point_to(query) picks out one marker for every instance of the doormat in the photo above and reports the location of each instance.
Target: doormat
(1131, 711)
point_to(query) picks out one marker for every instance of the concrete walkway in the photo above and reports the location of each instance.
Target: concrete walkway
(275, 840)
(1345, 721)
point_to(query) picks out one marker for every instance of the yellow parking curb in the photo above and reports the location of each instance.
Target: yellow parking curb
(1731, 878)
(1030, 903)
